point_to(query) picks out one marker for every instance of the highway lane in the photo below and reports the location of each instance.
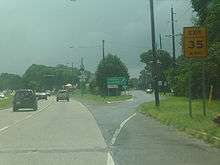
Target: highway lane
(110, 116)
(62, 133)
(8, 117)
(71, 133)
(141, 140)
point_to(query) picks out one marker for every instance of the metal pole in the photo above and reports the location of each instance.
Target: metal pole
(161, 47)
(190, 88)
(156, 92)
(103, 56)
(72, 75)
(203, 88)
(173, 37)
(103, 49)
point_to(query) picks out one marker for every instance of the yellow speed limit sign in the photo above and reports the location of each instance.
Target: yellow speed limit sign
(195, 42)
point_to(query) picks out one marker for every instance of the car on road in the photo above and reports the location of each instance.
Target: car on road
(2, 95)
(24, 98)
(63, 95)
(41, 96)
(48, 93)
(149, 91)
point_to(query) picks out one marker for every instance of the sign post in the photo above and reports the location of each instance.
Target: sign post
(203, 88)
(196, 47)
(190, 87)
(115, 82)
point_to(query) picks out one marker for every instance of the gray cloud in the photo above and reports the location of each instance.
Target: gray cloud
(42, 31)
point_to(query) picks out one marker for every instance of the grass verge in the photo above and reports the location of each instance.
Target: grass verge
(97, 98)
(6, 103)
(174, 111)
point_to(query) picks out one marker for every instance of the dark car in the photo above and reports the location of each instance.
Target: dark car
(63, 95)
(24, 98)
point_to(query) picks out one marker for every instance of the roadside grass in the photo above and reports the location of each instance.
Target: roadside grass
(97, 98)
(6, 103)
(174, 112)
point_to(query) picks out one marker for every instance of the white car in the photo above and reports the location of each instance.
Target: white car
(149, 91)
(2, 95)
(41, 95)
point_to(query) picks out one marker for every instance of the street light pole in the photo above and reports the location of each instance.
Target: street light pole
(155, 64)
(173, 37)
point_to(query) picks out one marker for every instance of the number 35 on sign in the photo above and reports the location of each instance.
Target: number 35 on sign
(195, 43)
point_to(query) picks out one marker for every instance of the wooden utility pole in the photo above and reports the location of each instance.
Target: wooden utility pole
(155, 62)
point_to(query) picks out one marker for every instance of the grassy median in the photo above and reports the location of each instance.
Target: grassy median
(174, 111)
(97, 98)
(6, 102)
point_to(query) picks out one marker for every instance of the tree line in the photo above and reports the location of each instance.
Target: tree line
(41, 77)
(208, 14)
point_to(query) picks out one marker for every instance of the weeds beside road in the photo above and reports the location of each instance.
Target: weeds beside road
(97, 98)
(6, 102)
(174, 111)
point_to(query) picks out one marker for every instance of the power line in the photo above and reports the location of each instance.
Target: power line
(84, 47)
(128, 45)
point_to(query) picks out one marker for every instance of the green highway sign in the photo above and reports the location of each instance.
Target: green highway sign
(117, 81)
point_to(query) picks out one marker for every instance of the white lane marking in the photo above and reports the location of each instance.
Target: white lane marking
(118, 130)
(110, 160)
(25, 118)
(4, 128)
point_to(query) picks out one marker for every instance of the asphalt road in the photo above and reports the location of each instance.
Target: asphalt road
(96, 134)
(136, 139)
(58, 133)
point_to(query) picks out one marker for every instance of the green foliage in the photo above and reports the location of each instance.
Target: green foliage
(90, 97)
(112, 66)
(164, 58)
(10, 81)
(174, 111)
(208, 12)
(6, 103)
(133, 83)
(144, 80)
(40, 77)
(165, 63)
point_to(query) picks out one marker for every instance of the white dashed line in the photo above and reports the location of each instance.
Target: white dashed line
(117, 131)
(110, 160)
(4, 128)
(25, 118)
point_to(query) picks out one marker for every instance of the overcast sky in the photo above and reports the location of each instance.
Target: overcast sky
(42, 31)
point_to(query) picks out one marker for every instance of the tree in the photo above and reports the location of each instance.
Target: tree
(10, 81)
(208, 14)
(40, 77)
(164, 58)
(111, 66)
(133, 83)
(165, 63)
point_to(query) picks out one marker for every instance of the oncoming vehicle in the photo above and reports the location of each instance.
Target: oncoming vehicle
(48, 93)
(2, 95)
(41, 96)
(62, 95)
(149, 91)
(24, 98)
